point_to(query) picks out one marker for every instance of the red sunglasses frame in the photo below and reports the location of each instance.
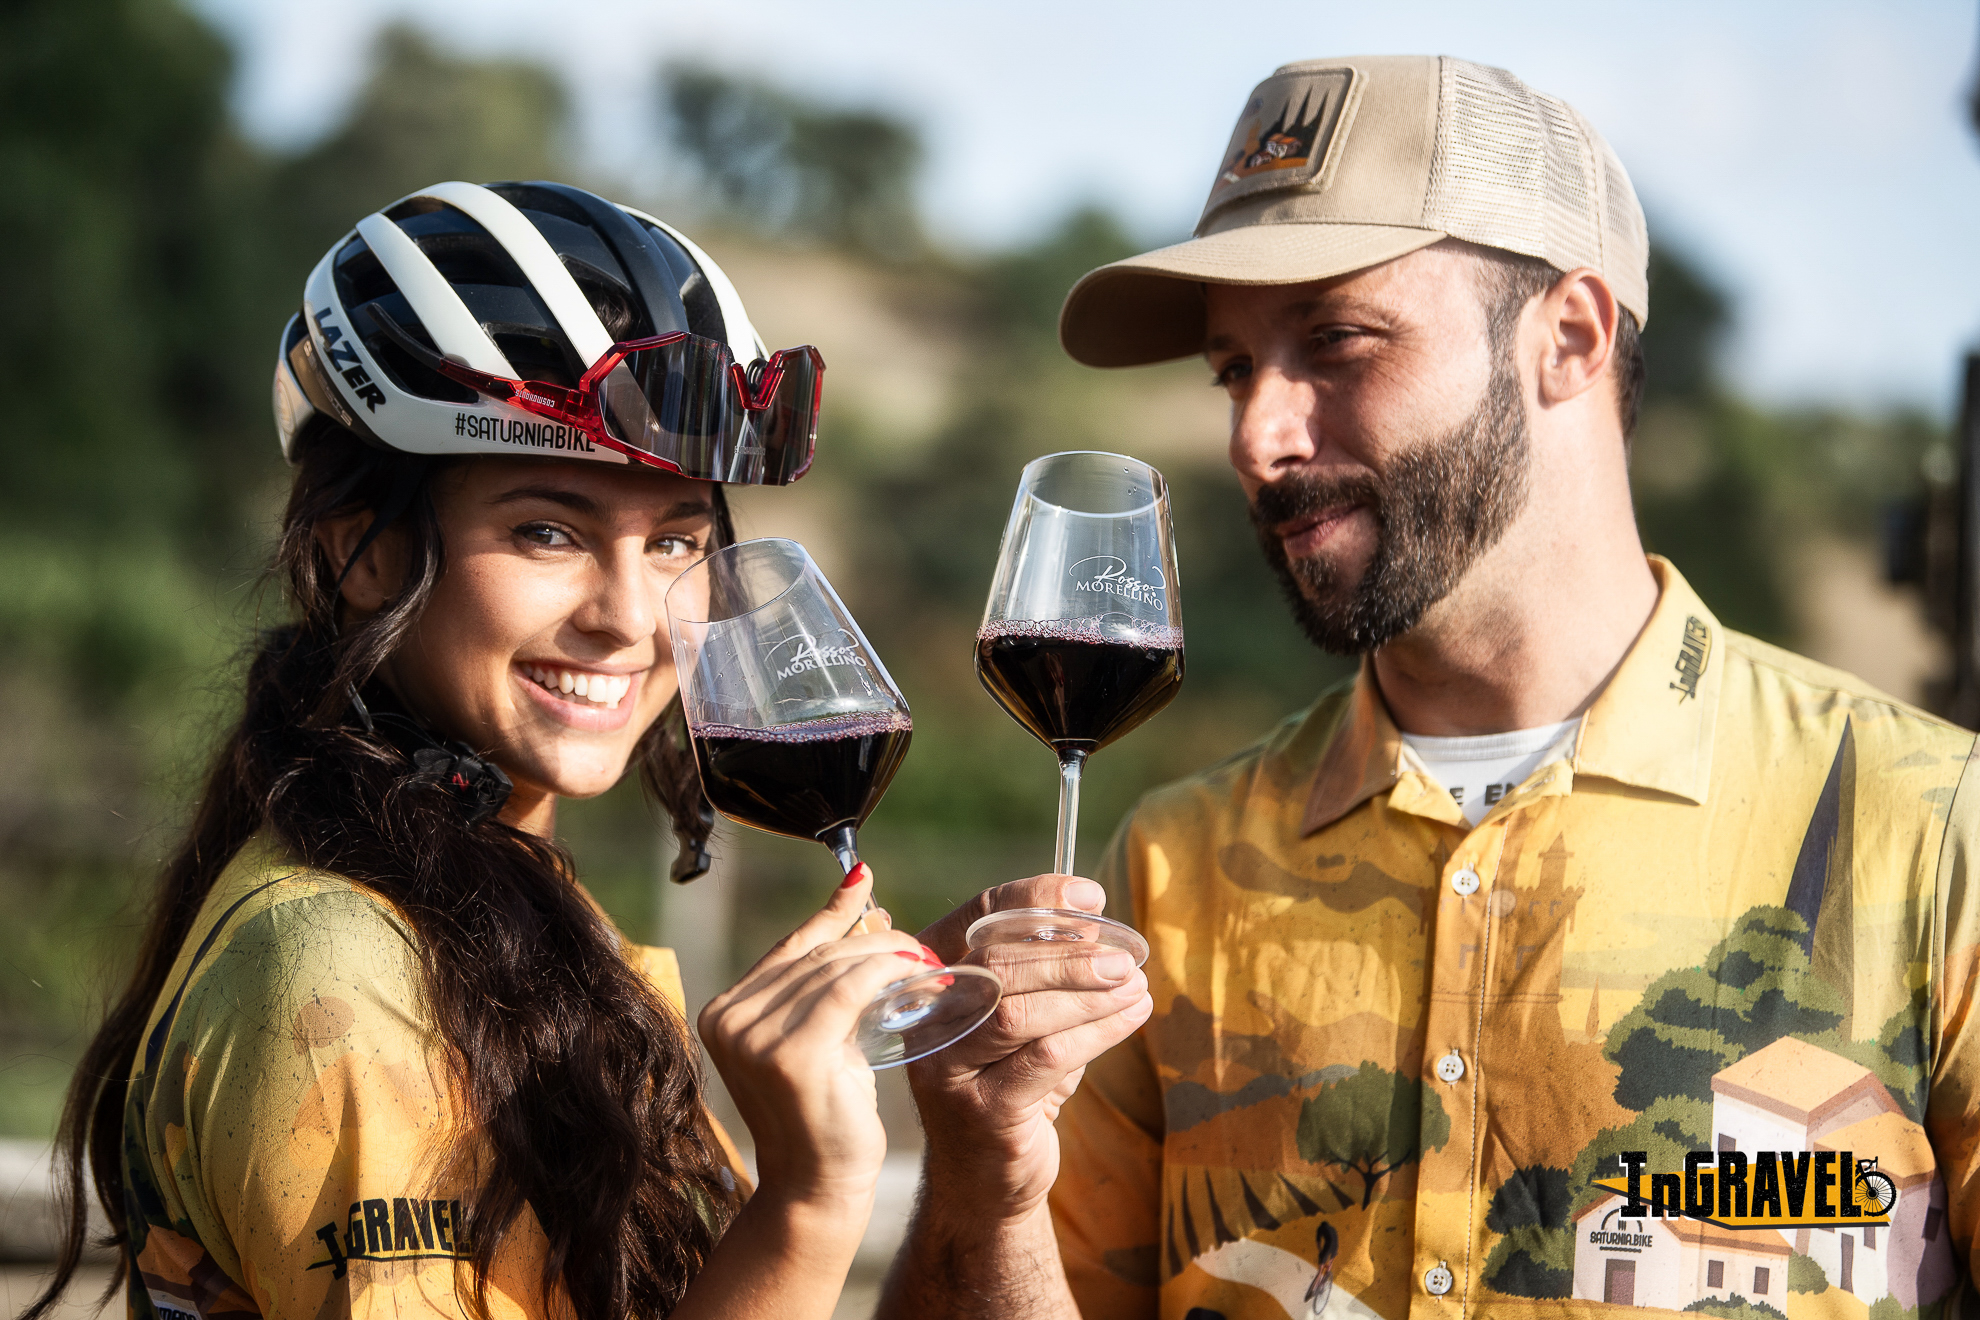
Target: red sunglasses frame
(580, 407)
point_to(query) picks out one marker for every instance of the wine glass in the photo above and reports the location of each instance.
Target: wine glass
(798, 730)
(1081, 641)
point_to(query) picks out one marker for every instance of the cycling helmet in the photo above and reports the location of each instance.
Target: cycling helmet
(465, 319)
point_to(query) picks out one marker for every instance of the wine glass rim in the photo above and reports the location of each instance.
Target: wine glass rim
(709, 558)
(1158, 485)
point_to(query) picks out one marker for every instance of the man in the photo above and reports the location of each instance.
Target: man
(1580, 952)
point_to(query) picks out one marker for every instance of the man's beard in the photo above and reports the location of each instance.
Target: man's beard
(1438, 506)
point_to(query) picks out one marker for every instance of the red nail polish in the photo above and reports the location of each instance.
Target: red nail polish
(854, 876)
(903, 953)
(929, 956)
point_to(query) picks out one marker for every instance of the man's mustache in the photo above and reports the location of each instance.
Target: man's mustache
(1303, 494)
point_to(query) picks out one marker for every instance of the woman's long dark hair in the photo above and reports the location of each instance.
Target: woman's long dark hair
(579, 1087)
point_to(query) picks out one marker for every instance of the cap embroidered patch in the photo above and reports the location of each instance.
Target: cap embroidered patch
(1285, 135)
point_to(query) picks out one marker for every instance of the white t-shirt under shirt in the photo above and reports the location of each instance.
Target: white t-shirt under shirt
(1482, 769)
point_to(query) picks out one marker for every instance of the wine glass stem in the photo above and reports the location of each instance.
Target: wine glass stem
(844, 843)
(1070, 764)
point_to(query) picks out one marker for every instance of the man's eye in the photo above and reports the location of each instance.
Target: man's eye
(545, 534)
(1231, 373)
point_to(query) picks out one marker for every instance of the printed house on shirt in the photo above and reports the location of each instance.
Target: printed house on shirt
(1671, 1263)
(1790, 1096)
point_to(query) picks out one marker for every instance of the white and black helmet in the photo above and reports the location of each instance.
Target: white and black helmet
(465, 319)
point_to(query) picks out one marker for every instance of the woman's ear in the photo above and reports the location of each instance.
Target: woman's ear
(1579, 316)
(379, 571)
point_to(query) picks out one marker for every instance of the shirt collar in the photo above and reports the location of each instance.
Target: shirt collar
(1651, 726)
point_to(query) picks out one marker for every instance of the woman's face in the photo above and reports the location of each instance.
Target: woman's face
(545, 642)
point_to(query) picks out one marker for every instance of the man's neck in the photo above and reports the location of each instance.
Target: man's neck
(1529, 637)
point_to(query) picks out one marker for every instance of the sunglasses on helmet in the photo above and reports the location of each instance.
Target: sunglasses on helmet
(679, 402)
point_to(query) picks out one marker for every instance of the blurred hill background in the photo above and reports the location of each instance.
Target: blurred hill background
(152, 252)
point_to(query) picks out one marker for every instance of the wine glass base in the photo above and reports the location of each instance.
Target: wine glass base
(1055, 926)
(913, 1018)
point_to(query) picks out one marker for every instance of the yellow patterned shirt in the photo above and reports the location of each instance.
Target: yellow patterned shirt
(1684, 1023)
(289, 1130)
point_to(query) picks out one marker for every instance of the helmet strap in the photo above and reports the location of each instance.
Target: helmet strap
(405, 487)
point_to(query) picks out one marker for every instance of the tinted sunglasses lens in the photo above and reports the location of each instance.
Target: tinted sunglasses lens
(679, 403)
(669, 402)
(788, 428)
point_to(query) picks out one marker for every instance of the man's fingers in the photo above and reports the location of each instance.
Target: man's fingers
(1050, 965)
(1023, 1018)
(1033, 1070)
(1044, 891)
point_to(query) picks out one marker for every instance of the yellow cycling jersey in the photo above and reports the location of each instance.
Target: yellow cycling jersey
(1685, 1023)
(291, 1146)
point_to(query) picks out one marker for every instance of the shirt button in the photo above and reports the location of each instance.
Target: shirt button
(1451, 1067)
(1437, 1280)
(1465, 881)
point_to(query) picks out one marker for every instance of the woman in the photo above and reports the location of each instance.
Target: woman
(381, 1053)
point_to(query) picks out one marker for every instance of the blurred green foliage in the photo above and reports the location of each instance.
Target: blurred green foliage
(151, 254)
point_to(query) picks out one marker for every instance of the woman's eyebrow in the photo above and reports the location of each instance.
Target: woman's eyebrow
(569, 499)
(691, 507)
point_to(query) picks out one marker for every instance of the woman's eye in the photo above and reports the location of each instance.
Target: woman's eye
(545, 534)
(676, 547)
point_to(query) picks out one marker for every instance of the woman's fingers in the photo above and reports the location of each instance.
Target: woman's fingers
(809, 1008)
(842, 913)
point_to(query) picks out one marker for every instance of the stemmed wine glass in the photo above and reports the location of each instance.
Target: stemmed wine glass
(1081, 641)
(798, 730)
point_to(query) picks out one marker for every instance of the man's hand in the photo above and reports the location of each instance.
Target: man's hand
(988, 1102)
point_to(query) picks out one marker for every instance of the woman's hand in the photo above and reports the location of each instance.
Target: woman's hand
(781, 1038)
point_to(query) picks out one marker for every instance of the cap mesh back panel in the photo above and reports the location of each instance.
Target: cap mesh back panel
(1510, 169)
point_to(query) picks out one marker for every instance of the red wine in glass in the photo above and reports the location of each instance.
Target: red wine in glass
(1081, 641)
(1077, 689)
(798, 730)
(812, 780)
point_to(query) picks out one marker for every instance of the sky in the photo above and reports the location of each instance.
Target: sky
(1813, 157)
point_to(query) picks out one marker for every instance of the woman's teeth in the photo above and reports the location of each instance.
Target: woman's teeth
(599, 689)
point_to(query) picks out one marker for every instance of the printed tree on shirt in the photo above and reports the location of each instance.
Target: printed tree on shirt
(1371, 1123)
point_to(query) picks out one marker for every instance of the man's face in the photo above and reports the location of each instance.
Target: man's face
(1379, 437)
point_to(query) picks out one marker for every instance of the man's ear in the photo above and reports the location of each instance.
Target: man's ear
(378, 573)
(1578, 316)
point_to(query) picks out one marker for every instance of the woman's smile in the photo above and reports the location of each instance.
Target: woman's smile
(589, 700)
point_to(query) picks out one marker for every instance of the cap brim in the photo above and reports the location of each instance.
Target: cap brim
(1150, 308)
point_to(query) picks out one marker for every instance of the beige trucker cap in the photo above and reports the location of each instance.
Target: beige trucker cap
(1337, 165)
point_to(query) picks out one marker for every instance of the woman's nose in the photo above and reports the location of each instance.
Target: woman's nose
(1273, 426)
(624, 603)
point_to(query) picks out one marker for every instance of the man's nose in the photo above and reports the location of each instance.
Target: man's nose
(1272, 427)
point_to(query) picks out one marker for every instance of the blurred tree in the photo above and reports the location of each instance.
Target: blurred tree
(1697, 501)
(780, 163)
(123, 240)
(1688, 323)
(423, 115)
(1025, 288)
